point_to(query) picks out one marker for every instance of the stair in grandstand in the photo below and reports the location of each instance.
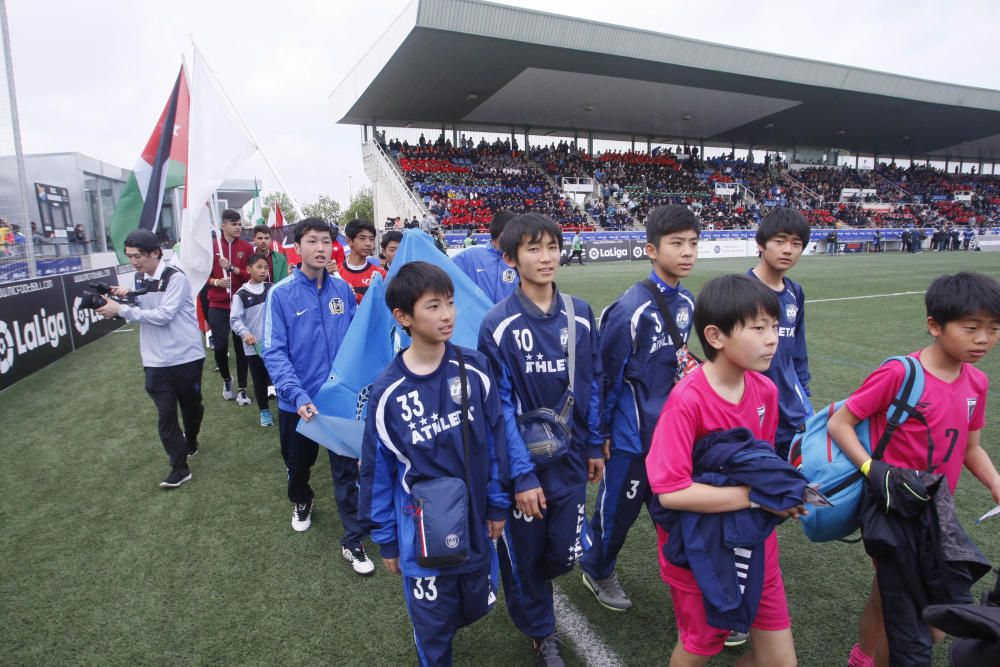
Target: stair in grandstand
(796, 183)
(531, 164)
(395, 198)
(893, 184)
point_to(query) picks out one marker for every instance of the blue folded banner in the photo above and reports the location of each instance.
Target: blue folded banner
(373, 340)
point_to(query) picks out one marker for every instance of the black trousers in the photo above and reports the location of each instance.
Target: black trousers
(169, 386)
(300, 454)
(261, 379)
(577, 254)
(218, 320)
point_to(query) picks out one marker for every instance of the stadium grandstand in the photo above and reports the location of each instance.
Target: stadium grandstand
(469, 107)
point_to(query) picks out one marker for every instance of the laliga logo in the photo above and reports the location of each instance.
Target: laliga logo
(595, 254)
(84, 317)
(638, 252)
(40, 330)
(6, 348)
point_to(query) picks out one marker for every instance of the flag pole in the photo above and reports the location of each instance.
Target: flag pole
(246, 127)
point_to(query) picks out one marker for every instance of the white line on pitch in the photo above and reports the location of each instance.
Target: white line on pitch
(865, 296)
(574, 629)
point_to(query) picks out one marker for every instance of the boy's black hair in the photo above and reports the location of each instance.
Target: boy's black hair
(730, 300)
(528, 228)
(229, 215)
(261, 229)
(782, 220)
(499, 221)
(390, 236)
(257, 257)
(311, 225)
(356, 226)
(664, 220)
(962, 295)
(414, 280)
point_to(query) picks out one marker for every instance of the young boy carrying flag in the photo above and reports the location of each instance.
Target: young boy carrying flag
(543, 350)
(640, 361)
(433, 453)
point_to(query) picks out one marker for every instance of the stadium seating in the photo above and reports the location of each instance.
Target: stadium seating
(464, 185)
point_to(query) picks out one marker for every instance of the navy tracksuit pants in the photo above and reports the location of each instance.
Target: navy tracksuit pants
(439, 606)
(623, 493)
(533, 552)
(299, 453)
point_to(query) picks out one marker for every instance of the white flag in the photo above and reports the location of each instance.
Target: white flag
(218, 143)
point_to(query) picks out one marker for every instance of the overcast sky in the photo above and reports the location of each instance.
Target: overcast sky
(92, 77)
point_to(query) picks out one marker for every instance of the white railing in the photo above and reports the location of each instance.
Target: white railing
(392, 196)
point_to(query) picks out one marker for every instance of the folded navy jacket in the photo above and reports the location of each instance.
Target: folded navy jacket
(725, 550)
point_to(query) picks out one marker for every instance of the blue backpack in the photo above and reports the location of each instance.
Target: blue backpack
(822, 462)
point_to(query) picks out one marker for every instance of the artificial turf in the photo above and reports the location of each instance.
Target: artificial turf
(99, 566)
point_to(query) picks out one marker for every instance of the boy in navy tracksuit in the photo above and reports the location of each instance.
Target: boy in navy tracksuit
(485, 266)
(781, 237)
(305, 320)
(640, 362)
(414, 437)
(525, 337)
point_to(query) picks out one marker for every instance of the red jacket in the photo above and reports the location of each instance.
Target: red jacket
(238, 253)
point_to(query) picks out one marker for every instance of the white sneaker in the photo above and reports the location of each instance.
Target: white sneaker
(227, 390)
(359, 560)
(302, 516)
(242, 398)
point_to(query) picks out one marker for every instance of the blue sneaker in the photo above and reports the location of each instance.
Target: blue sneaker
(265, 418)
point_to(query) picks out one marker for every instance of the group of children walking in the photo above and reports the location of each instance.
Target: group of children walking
(475, 463)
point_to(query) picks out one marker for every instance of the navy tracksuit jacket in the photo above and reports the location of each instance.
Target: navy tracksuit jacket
(789, 369)
(639, 361)
(725, 551)
(527, 352)
(413, 434)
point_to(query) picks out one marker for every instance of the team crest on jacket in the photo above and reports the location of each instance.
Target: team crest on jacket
(455, 389)
(509, 275)
(791, 312)
(683, 317)
(971, 402)
(336, 306)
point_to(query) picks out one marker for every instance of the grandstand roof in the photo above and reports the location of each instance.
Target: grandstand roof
(491, 67)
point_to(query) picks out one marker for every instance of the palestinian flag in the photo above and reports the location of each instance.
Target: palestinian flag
(283, 239)
(162, 165)
(256, 215)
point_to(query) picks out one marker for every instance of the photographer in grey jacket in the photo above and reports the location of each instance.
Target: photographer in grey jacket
(170, 346)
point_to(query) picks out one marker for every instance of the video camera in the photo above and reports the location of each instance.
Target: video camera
(94, 294)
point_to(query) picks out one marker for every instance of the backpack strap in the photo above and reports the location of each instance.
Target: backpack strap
(466, 437)
(904, 405)
(668, 318)
(569, 400)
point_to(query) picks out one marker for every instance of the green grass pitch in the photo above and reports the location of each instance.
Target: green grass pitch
(101, 567)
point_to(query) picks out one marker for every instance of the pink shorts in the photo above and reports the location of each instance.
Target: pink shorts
(700, 638)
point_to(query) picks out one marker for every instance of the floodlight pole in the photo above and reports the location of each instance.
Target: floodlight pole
(18, 152)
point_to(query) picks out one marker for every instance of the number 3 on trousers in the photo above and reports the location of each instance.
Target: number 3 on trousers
(631, 493)
(418, 589)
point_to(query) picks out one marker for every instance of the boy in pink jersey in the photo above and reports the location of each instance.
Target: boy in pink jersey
(736, 318)
(963, 317)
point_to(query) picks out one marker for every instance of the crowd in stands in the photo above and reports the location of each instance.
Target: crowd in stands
(463, 185)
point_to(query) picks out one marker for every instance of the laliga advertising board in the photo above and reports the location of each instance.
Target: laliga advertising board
(42, 320)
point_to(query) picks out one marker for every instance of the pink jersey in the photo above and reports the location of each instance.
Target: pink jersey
(693, 410)
(952, 410)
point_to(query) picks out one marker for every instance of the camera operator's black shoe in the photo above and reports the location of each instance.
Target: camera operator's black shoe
(175, 479)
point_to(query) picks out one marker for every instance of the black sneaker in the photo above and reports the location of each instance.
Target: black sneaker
(359, 560)
(302, 516)
(175, 479)
(193, 451)
(547, 652)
